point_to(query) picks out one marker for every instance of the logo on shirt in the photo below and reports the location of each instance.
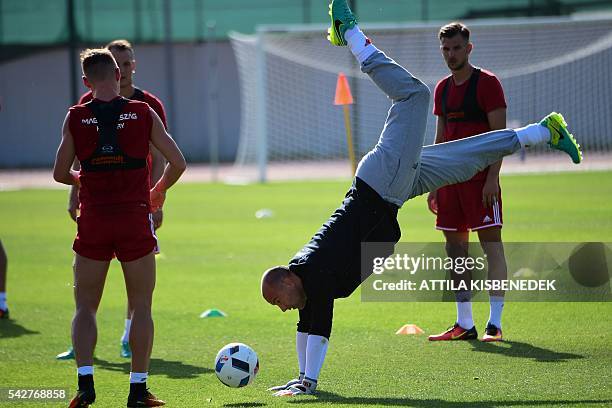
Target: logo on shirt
(486, 219)
(122, 117)
(455, 115)
(89, 121)
(128, 116)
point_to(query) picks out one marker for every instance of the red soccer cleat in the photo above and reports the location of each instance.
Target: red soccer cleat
(492, 333)
(146, 400)
(83, 399)
(455, 332)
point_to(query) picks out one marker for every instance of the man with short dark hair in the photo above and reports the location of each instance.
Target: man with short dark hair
(123, 52)
(397, 169)
(110, 136)
(468, 102)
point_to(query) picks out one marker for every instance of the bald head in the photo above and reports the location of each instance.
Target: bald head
(283, 288)
(271, 281)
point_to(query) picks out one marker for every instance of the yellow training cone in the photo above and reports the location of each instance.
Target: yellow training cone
(409, 329)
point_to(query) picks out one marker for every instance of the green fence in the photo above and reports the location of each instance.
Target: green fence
(44, 22)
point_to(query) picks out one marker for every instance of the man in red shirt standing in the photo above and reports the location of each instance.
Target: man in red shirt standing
(123, 52)
(468, 102)
(110, 137)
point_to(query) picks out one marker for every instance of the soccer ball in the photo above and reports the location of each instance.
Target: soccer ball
(236, 365)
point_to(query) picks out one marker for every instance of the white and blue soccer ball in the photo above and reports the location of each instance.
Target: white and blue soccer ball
(236, 365)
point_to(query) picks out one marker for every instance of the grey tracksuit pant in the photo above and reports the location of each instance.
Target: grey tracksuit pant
(399, 167)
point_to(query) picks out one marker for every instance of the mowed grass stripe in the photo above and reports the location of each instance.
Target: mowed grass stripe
(214, 252)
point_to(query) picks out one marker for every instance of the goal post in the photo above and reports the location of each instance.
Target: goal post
(288, 76)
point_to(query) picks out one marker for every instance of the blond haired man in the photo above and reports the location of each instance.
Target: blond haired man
(110, 137)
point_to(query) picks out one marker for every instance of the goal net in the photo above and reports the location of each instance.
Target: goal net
(288, 78)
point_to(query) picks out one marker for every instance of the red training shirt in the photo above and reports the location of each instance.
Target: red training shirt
(113, 190)
(153, 101)
(149, 98)
(490, 96)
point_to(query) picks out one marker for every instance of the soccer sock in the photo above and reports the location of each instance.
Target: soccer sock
(464, 310)
(533, 134)
(86, 384)
(85, 370)
(301, 340)
(496, 309)
(3, 305)
(359, 44)
(138, 384)
(126, 331)
(138, 378)
(138, 389)
(315, 355)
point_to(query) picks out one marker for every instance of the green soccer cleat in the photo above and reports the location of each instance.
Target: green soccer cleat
(560, 137)
(66, 355)
(342, 19)
(125, 351)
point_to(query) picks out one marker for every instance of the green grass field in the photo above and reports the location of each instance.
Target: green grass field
(557, 354)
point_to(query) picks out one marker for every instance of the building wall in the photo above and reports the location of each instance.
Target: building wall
(35, 96)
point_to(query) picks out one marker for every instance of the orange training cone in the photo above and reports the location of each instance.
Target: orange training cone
(343, 91)
(344, 98)
(409, 329)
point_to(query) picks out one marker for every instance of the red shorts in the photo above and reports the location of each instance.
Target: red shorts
(128, 235)
(460, 208)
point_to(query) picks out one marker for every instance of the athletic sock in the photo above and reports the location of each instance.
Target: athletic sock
(3, 304)
(315, 355)
(85, 370)
(464, 309)
(138, 378)
(137, 389)
(126, 331)
(138, 384)
(301, 341)
(533, 134)
(359, 44)
(86, 385)
(495, 311)
(86, 382)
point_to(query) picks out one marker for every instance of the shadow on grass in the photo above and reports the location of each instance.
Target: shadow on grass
(245, 404)
(171, 369)
(10, 329)
(523, 350)
(328, 397)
